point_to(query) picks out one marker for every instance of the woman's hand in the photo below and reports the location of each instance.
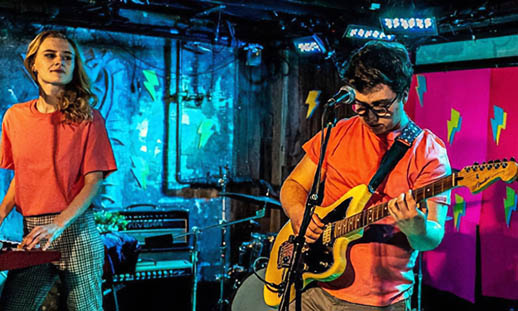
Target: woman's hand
(47, 233)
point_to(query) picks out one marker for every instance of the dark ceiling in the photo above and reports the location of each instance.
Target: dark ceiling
(267, 22)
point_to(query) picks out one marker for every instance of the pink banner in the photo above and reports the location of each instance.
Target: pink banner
(453, 105)
(499, 219)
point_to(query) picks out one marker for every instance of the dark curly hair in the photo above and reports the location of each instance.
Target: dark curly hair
(379, 62)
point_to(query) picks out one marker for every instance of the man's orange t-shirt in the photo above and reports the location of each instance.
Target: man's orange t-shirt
(50, 157)
(379, 270)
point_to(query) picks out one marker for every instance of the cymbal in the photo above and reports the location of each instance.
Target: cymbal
(251, 198)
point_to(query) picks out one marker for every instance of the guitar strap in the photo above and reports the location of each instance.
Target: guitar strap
(394, 154)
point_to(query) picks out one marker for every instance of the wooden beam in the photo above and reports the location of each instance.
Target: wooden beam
(280, 117)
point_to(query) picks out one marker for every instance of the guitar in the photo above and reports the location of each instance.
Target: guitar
(345, 220)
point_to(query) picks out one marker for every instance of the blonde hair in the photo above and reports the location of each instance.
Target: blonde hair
(77, 99)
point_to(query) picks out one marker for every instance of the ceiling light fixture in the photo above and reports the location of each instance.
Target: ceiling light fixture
(410, 26)
(309, 45)
(366, 32)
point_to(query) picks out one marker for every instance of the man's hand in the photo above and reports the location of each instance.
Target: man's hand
(47, 233)
(315, 228)
(409, 218)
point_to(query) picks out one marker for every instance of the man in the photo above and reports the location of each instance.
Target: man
(379, 272)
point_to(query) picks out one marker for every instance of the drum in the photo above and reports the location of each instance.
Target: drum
(249, 296)
(260, 246)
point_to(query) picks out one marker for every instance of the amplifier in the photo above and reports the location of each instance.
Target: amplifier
(159, 264)
(162, 255)
(156, 270)
(157, 228)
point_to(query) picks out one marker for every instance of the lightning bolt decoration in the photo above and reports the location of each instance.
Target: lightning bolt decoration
(459, 210)
(205, 130)
(498, 123)
(454, 125)
(312, 102)
(151, 82)
(140, 170)
(510, 204)
(421, 88)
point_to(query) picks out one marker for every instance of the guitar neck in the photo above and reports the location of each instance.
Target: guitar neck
(377, 212)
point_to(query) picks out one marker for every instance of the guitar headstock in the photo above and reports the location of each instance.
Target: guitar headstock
(478, 177)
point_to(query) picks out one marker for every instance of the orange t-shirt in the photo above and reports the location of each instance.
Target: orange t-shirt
(379, 270)
(50, 158)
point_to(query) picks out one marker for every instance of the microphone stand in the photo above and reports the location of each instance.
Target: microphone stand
(295, 270)
(223, 248)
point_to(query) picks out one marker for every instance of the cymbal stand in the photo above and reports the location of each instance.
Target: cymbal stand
(194, 257)
(195, 231)
(223, 248)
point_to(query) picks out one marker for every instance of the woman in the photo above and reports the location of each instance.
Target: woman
(59, 150)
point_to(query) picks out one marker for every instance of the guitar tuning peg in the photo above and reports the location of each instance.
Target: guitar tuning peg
(512, 159)
(490, 162)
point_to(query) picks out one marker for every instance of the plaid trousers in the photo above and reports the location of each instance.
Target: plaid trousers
(80, 269)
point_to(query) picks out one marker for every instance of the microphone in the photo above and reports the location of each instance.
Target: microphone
(345, 95)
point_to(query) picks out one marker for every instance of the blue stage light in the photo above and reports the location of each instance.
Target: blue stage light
(366, 32)
(412, 26)
(375, 6)
(310, 45)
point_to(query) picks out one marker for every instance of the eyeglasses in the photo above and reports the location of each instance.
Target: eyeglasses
(381, 109)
